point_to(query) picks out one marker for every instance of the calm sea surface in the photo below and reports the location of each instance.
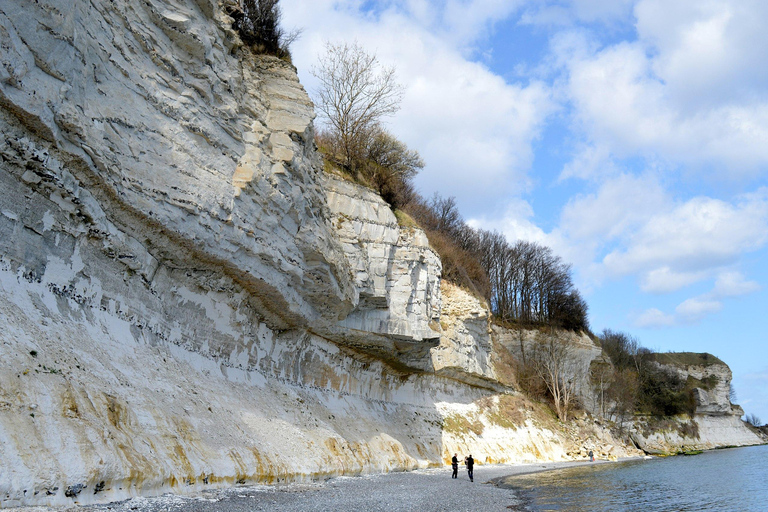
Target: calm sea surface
(720, 480)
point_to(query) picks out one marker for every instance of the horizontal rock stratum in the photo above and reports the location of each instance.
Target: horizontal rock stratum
(187, 300)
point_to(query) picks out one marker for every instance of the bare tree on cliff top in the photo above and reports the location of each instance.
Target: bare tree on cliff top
(355, 93)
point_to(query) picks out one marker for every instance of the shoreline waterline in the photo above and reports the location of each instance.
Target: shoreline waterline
(664, 483)
(430, 489)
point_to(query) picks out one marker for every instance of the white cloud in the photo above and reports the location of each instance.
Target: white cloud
(474, 130)
(631, 226)
(709, 51)
(733, 284)
(619, 206)
(690, 311)
(515, 224)
(589, 162)
(700, 234)
(688, 91)
(665, 280)
(592, 224)
(729, 283)
(466, 20)
(695, 309)
(655, 318)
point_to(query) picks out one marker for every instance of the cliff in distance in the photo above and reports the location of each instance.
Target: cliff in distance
(187, 300)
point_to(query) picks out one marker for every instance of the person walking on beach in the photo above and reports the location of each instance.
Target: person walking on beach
(591, 456)
(470, 462)
(455, 465)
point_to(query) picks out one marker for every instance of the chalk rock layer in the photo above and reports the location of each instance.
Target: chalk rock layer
(715, 423)
(395, 273)
(185, 301)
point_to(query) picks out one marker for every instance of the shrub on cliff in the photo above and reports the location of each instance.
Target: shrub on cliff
(258, 23)
(355, 94)
(643, 381)
(664, 393)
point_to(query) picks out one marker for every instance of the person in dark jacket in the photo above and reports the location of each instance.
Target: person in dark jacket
(470, 462)
(455, 465)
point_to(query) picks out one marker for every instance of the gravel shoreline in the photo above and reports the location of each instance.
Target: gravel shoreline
(426, 490)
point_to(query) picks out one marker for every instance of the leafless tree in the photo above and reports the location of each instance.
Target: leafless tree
(529, 284)
(554, 361)
(447, 216)
(355, 93)
(754, 420)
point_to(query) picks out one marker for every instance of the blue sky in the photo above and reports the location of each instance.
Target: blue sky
(631, 136)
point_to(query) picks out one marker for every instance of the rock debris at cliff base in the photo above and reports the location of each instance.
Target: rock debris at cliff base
(430, 490)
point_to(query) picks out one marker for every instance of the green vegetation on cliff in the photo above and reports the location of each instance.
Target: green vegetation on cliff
(640, 381)
(683, 359)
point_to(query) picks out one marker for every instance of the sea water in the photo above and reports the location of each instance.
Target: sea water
(725, 480)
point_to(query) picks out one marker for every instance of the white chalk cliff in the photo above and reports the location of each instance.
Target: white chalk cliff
(187, 300)
(715, 422)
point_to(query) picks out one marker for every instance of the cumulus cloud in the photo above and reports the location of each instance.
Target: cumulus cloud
(515, 224)
(733, 284)
(632, 226)
(687, 91)
(686, 97)
(620, 205)
(590, 163)
(706, 52)
(666, 280)
(595, 223)
(693, 310)
(473, 129)
(699, 234)
(729, 283)
(690, 311)
(655, 318)
(464, 21)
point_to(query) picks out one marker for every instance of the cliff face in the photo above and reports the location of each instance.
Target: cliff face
(575, 352)
(395, 275)
(186, 300)
(715, 423)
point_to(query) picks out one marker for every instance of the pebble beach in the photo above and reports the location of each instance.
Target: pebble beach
(427, 490)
